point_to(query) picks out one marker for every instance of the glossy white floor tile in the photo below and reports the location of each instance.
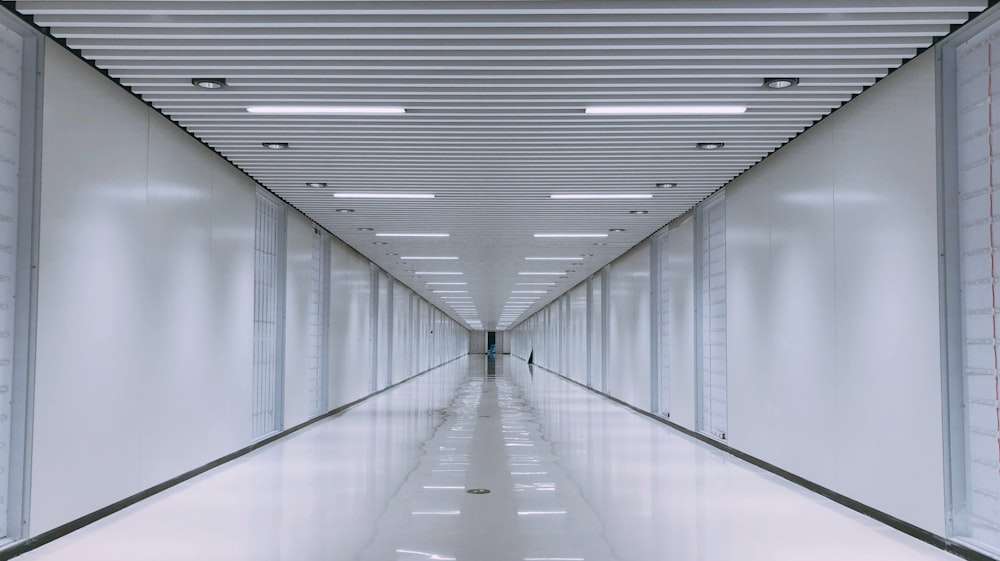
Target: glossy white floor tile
(572, 477)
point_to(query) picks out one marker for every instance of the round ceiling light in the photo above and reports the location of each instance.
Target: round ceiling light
(366, 229)
(616, 230)
(209, 83)
(344, 210)
(709, 145)
(665, 185)
(780, 83)
(275, 145)
(315, 184)
(638, 212)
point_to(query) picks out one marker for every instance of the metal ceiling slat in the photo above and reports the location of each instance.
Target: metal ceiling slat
(494, 93)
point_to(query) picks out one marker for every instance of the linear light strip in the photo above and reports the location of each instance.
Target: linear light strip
(666, 110)
(325, 110)
(600, 196)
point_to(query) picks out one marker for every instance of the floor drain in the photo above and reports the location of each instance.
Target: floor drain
(477, 491)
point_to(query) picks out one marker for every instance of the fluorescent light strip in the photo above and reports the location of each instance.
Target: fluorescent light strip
(418, 258)
(384, 235)
(666, 110)
(542, 273)
(600, 196)
(569, 235)
(325, 110)
(383, 196)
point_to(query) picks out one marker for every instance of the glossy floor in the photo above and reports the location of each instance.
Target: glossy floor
(572, 477)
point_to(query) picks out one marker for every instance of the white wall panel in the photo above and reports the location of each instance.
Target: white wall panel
(888, 322)
(628, 326)
(833, 317)
(576, 349)
(598, 331)
(382, 330)
(402, 342)
(146, 271)
(298, 319)
(682, 321)
(350, 325)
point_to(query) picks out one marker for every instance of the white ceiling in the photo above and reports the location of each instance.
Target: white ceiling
(494, 93)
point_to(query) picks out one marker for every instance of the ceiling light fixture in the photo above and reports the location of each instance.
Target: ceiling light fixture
(366, 229)
(666, 110)
(665, 185)
(383, 195)
(571, 235)
(780, 83)
(601, 196)
(315, 184)
(709, 145)
(638, 212)
(387, 235)
(275, 145)
(324, 110)
(209, 83)
(343, 210)
(617, 230)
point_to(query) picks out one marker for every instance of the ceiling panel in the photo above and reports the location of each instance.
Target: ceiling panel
(494, 96)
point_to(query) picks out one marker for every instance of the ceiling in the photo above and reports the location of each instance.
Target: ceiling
(494, 94)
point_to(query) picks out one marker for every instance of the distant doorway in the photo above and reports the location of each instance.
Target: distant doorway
(491, 338)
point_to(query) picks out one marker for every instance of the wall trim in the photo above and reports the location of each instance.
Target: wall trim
(14, 549)
(912, 530)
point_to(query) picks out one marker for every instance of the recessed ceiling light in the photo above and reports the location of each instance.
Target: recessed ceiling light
(780, 83)
(383, 195)
(275, 145)
(600, 243)
(599, 196)
(392, 254)
(385, 235)
(437, 273)
(666, 110)
(576, 264)
(710, 145)
(343, 210)
(366, 229)
(542, 273)
(571, 235)
(617, 230)
(665, 185)
(324, 110)
(209, 83)
(418, 258)
(638, 212)
(315, 184)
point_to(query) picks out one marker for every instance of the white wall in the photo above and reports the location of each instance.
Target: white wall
(145, 302)
(350, 325)
(298, 288)
(833, 321)
(577, 336)
(146, 266)
(683, 398)
(834, 331)
(629, 358)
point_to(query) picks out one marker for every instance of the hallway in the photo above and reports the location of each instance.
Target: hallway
(572, 477)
